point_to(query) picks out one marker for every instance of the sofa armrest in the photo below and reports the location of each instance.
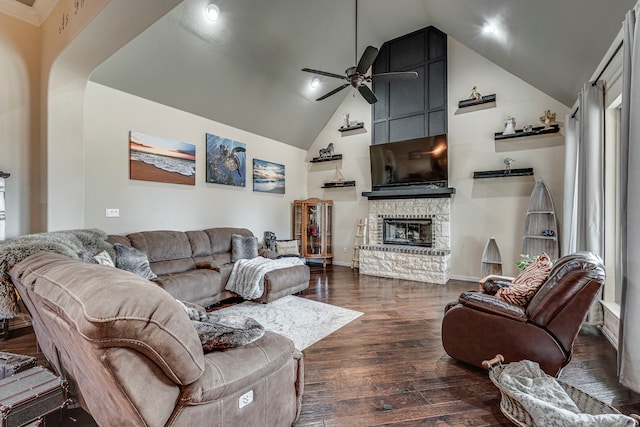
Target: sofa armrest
(493, 305)
(490, 284)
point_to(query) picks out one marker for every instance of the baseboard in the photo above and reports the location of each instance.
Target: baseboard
(464, 278)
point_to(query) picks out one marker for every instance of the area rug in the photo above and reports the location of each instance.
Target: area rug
(302, 320)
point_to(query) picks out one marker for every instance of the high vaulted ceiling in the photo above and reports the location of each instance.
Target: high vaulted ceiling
(244, 69)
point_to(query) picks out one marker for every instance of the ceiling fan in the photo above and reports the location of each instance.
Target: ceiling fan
(356, 75)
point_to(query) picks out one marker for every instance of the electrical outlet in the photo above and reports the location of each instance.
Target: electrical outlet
(245, 399)
(112, 213)
(344, 249)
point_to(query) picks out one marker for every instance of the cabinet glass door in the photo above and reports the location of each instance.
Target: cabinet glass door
(314, 229)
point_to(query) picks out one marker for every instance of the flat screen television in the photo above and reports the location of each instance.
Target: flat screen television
(420, 161)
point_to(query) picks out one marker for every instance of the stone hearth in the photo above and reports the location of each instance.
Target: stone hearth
(424, 264)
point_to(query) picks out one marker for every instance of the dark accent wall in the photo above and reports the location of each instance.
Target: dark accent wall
(408, 109)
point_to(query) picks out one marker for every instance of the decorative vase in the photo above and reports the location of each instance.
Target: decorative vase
(509, 128)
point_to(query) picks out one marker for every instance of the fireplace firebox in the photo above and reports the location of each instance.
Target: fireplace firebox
(407, 231)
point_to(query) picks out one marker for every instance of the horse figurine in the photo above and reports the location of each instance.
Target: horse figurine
(326, 152)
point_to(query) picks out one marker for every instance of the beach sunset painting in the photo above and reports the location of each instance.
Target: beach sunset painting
(152, 158)
(268, 177)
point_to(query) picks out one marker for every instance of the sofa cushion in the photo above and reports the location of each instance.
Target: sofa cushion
(243, 247)
(220, 237)
(192, 285)
(162, 245)
(132, 260)
(115, 308)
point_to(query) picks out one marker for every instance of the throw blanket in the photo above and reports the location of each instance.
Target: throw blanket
(247, 276)
(76, 244)
(547, 402)
(222, 331)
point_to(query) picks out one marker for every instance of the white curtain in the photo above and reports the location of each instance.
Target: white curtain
(570, 226)
(629, 334)
(583, 205)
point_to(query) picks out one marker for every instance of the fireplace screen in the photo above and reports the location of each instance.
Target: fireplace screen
(414, 232)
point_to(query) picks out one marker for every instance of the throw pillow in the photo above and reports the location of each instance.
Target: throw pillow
(527, 283)
(243, 247)
(104, 258)
(133, 260)
(287, 247)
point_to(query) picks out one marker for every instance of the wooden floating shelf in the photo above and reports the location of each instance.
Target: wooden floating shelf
(503, 173)
(358, 125)
(326, 159)
(339, 184)
(470, 102)
(539, 130)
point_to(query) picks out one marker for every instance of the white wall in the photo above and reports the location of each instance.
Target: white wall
(19, 115)
(349, 205)
(497, 206)
(111, 114)
(480, 208)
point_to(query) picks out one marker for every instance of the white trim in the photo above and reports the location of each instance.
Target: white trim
(44, 8)
(613, 309)
(35, 15)
(20, 11)
(465, 278)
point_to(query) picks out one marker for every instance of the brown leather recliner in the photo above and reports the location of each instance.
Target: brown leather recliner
(479, 325)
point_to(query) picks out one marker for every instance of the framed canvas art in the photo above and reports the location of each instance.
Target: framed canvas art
(226, 161)
(268, 177)
(152, 158)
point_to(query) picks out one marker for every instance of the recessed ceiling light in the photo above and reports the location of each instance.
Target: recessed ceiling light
(489, 28)
(315, 82)
(212, 11)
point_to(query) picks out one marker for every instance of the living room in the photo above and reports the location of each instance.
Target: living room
(70, 162)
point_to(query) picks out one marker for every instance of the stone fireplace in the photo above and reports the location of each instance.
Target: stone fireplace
(408, 239)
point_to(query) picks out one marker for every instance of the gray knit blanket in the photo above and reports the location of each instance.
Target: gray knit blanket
(76, 244)
(221, 331)
(547, 402)
(247, 276)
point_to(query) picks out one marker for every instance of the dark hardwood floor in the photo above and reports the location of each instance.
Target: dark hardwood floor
(388, 366)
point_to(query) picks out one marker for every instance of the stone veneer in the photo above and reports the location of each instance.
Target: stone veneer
(408, 262)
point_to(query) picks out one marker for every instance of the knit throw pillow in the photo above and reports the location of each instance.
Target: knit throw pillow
(243, 247)
(527, 283)
(133, 260)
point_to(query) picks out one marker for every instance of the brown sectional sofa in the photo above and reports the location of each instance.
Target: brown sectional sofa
(194, 266)
(133, 358)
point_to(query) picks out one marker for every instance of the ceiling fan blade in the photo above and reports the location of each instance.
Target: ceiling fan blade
(336, 90)
(366, 60)
(323, 73)
(367, 94)
(403, 75)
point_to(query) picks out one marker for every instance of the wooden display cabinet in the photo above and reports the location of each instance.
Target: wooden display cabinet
(312, 228)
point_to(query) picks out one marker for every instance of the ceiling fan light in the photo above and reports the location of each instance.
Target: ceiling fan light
(315, 82)
(212, 12)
